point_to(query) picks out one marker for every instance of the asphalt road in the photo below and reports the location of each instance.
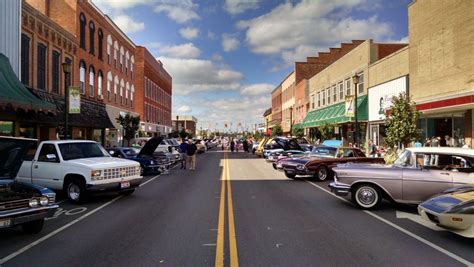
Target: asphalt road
(233, 209)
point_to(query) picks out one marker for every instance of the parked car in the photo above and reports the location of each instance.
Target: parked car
(21, 204)
(416, 175)
(261, 145)
(148, 163)
(286, 146)
(321, 161)
(453, 209)
(79, 168)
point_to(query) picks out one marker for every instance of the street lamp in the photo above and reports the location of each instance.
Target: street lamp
(355, 80)
(67, 72)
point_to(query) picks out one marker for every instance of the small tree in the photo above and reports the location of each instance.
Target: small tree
(401, 124)
(326, 131)
(130, 126)
(277, 131)
(299, 132)
(183, 134)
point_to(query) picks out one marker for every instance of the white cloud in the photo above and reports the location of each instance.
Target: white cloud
(229, 42)
(185, 109)
(403, 40)
(187, 50)
(106, 5)
(310, 24)
(199, 75)
(211, 35)
(189, 32)
(178, 11)
(216, 57)
(257, 89)
(127, 24)
(240, 6)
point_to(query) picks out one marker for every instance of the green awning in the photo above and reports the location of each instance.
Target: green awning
(336, 114)
(298, 126)
(13, 92)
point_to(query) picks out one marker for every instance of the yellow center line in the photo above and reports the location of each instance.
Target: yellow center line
(220, 228)
(234, 261)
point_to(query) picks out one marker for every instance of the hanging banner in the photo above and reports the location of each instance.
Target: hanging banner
(350, 106)
(74, 100)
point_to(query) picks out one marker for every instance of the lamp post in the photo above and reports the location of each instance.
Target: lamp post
(67, 72)
(355, 80)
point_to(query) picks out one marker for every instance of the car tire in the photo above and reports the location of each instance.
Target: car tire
(291, 176)
(366, 196)
(76, 191)
(322, 173)
(127, 192)
(33, 227)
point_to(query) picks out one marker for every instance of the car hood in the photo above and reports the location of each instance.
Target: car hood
(12, 152)
(445, 202)
(150, 147)
(104, 162)
(11, 190)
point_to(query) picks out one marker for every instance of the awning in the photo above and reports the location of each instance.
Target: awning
(298, 126)
(13, 93)
(336, 114)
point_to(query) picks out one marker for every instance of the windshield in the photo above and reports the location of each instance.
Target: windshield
(324, 152)
(71, 151)
(12, 152)
(129, 152)
(404, 159)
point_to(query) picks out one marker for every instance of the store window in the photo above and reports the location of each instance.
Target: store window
(6, 128)
(27, 131)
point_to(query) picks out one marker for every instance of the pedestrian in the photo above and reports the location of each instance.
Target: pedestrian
(250, 146)
(232, 146)
(191, 155)
(427, 142)
(372, 149)
(245, 145)
(435, 141)
(183, 149)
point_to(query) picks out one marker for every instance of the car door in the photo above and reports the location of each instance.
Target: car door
(428, 175)
(462, 170)
(46, 169)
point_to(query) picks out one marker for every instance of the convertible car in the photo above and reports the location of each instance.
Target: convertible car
(416, 175)
(321, 160)
(453, 210)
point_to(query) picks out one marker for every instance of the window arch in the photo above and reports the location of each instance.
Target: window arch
(100, 40)
(91, 80)
(110, 80)
(82, 33)
(122, 85)
(116, 84)
(109, 47)
(116, 48)
(100, 76)
(91, 37)
(127, 58)
(82, 75)
(122, 53)
(127, 89)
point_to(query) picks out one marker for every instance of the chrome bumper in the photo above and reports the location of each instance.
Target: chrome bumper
(24, 215)
(340, 189)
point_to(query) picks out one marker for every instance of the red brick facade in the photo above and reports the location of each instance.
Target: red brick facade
(276, 106)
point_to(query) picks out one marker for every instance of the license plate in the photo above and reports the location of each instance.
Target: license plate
(5, 223)
(124, 185)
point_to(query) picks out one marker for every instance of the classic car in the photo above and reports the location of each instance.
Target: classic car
(277, 155)
(280, 144)
(416, 175)
(261, 146)
(20, 203)
(148, 163)
(321, 160)
(453, 209)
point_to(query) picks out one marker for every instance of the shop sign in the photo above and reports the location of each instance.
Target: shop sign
(74, 100)
(381, 97)
(350, 106)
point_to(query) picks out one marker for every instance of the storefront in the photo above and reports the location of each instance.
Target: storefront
(114, 134)
(334, 118)
(380, 101)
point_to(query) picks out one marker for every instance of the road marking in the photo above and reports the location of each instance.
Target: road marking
(220, 227)
(55, 232)
(417, 219)
(209, 245)
(151, 179)
(234, 260)
(403, 230)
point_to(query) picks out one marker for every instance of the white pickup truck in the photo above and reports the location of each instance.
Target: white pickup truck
(79, 168)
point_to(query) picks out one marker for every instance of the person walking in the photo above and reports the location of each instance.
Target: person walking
(250, 146)
(232, 145)
(183, 149)
(191, 155)
(245, 145)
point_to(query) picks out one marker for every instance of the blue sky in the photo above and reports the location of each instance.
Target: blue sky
(226, 56)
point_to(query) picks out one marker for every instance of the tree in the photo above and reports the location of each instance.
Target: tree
(183, 134)
(299, 132)
(277, 131)
(401, 124)
(326, 131)
(129, 125)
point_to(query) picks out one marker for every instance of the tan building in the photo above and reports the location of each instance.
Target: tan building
(267, 116)
(287, 102)
(329, 88)
(276, 107)
(387, 78)
(442, 67)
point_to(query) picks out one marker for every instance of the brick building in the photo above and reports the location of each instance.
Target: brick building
(187, 123)
(276, 107)
(153, 94)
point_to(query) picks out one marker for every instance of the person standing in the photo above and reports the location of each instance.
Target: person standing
(232, 145)
(250, 146)
(191, 155)
(245, 145)
(372, 149)
(183, 149)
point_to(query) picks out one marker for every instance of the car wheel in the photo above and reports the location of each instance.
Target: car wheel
(366, 196)
(33, 227)
(322, 173)
(76, 191)
(290, 175)
(128, 192)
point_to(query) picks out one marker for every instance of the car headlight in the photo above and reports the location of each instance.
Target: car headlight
(51, 197)
(300, 167)
(44, 201)
(95, 175)
(33, 203)
(151, 162)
